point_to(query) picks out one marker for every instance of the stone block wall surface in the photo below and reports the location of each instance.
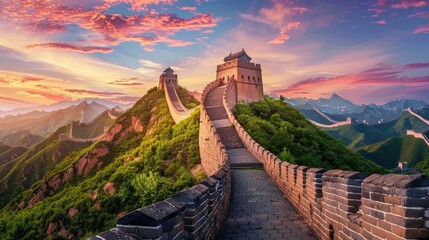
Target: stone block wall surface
(340, 204)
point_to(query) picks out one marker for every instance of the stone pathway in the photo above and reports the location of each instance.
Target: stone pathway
(258, 209)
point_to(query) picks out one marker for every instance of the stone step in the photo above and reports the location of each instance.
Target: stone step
(242, 158)
(217, 113)
(229, 137)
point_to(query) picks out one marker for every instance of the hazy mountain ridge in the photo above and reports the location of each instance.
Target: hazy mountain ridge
(64, 104)
(50, 122)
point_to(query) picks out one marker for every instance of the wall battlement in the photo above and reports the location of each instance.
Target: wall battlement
(341, 204)
(236, 63)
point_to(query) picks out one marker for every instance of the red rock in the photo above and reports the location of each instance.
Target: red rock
(37, 198)
(64, 233)
(21, 205)
(55, 182)
(121, 214)
(90, 160)
(112, 132)
(73, 212)
(109, 188)
(94, 195)
(68, 174)
(137, 124)
(52, 227)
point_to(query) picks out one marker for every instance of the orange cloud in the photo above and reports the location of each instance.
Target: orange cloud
(49, 95)
(90, 92)
(72, 47)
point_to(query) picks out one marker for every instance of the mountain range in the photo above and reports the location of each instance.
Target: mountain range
(65, 104)
(338, 109)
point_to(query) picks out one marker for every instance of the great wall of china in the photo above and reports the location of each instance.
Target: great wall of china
(335, 204)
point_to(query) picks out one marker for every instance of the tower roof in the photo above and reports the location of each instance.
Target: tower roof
(168, 71)
(242, 55)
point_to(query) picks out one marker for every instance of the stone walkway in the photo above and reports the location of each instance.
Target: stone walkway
(258, 209)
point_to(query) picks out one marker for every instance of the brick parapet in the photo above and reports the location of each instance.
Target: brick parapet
(193, 213)
(341, 204)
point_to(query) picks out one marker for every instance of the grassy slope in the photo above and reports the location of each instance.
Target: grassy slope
(11, 154)
(285, 132)
(393, 150)
(164, 148)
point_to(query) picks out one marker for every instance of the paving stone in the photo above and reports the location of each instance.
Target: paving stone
(252, 195)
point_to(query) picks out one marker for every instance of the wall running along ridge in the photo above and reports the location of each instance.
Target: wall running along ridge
(341, 204)
(176, 114)
(194, 213)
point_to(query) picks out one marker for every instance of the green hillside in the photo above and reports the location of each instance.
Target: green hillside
(4, 148)
(286, 133)
(144, 158)
(359, 135)
(10, 154)
(398, 149)
(315, 116)
(20, 173)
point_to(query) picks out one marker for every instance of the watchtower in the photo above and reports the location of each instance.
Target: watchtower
(168, 76)
(247, 76)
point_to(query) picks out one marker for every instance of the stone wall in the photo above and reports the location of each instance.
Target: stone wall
(194, 213)
(418, 135)
(341, 204)
(176, 114)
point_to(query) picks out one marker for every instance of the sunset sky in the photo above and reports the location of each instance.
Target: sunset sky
(366, 51)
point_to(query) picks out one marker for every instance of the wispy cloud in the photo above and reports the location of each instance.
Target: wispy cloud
(190, 9)
(382, 76)
(90, 92)
(279, 15)
(127, 82)
(72, 47)
(422, 29)
(381, 22)
(56, 97)
(404, 4)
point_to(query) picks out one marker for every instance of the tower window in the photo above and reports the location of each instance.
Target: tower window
(242, 77)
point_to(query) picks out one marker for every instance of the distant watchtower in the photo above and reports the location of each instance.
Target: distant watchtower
(247, 76)
(168, 76)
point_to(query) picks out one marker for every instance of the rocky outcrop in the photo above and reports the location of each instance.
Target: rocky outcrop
(73, 212)
(110, 135)
(59, 229)
(109, 188)
(90, 160)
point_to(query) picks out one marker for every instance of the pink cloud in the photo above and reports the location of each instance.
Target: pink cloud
(125, 99)
(148, 29)
(9, 99)
(409, 4)
(383, 75)
(49, 95)
(381, 2)
(381, 22)
(90, 92)
(72, 47)
(420, 15)
(422, 29)
(190, 9)
(377, 11)
(279, 15)
(208, 31)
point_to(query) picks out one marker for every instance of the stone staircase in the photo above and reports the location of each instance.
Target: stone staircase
(239, 156)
